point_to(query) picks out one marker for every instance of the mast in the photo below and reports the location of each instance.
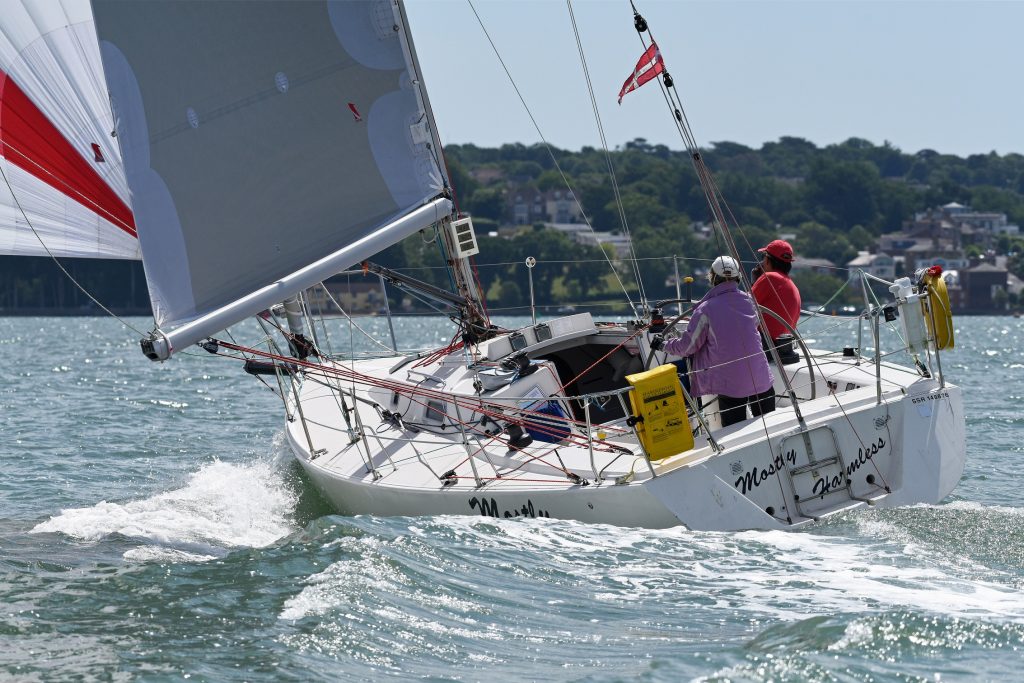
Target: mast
(460, 243)
(454, 233)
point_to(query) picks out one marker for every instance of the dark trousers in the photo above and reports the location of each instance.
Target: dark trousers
(733, 410)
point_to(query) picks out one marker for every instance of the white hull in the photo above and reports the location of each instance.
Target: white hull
(907, 448)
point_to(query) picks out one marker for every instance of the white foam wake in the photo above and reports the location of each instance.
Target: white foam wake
(223, 505)
(778, 574)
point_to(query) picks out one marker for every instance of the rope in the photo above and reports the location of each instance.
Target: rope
(473, 406)
(397, 387)
(351, 321)
(607, 154)
(595, 363)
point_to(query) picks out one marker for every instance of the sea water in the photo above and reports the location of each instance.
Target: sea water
(154, 527)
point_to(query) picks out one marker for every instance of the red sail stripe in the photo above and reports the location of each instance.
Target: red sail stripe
(31, 142)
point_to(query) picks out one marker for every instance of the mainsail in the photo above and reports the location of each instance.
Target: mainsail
(267, 145)
(63, 191)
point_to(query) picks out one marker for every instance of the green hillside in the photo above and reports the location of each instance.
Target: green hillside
(832, 201)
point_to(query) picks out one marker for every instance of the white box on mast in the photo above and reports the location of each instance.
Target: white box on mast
(463, 237)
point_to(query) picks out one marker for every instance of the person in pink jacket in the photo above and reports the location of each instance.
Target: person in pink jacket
(724, 347)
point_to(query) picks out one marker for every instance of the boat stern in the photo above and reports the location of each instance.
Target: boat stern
(934, 444)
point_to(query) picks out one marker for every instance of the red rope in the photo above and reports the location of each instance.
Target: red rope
(411, 392)
(595, 363)
(517, 479)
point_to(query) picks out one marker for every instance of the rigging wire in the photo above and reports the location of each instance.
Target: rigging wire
(496, 264)
(712, 196)
(398, 387)
(350, 321)
(716, 202)
(437, 151)
(607, 155)
(547, 147)
(722, 214)
(511, 414)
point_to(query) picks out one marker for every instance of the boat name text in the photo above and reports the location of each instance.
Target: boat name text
(757, 475)
(489, 508)
(864, 454)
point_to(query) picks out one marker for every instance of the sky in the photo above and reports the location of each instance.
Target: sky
(919, 74)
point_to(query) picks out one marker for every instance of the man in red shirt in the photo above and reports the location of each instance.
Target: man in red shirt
(774, 289)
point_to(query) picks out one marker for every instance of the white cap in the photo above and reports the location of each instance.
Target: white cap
(725, 266)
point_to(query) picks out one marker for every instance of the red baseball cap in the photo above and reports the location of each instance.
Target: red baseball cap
(780, 249)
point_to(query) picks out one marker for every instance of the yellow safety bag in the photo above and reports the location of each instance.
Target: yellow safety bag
(658, 404)
(940, 322)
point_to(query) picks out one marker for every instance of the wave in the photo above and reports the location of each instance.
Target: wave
(222, 506)
(776, 574)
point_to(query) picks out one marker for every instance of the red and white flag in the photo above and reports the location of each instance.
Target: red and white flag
(650, 65)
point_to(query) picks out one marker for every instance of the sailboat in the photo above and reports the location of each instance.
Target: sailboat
(271, 145)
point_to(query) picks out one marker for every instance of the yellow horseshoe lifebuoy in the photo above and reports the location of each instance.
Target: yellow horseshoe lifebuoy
(940, 317)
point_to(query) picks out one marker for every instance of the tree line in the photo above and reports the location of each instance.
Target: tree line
(835, 200)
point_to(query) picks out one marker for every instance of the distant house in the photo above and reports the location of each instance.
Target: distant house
(934, 253)
(933, 224)
(911, 252)
(980, 285)
(880, 265)
(938, 237)
(958, 225)
(896, 243)
(703, 230)
(572, 230)
(581, 233)
(561, 207)
(529, 205)
(1014, 284)
(988, 221)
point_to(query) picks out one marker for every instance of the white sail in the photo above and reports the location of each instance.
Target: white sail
(260, 138)
(63, 189)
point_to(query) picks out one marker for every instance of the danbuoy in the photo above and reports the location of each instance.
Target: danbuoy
(659, 412)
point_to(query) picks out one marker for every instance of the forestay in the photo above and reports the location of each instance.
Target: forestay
(63, 184)
(267, 145)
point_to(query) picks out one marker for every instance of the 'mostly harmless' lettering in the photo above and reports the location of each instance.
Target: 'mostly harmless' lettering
(755, 476)
(864, 454)
(489, 508)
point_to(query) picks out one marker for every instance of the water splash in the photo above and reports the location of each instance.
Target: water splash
(223, 505)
